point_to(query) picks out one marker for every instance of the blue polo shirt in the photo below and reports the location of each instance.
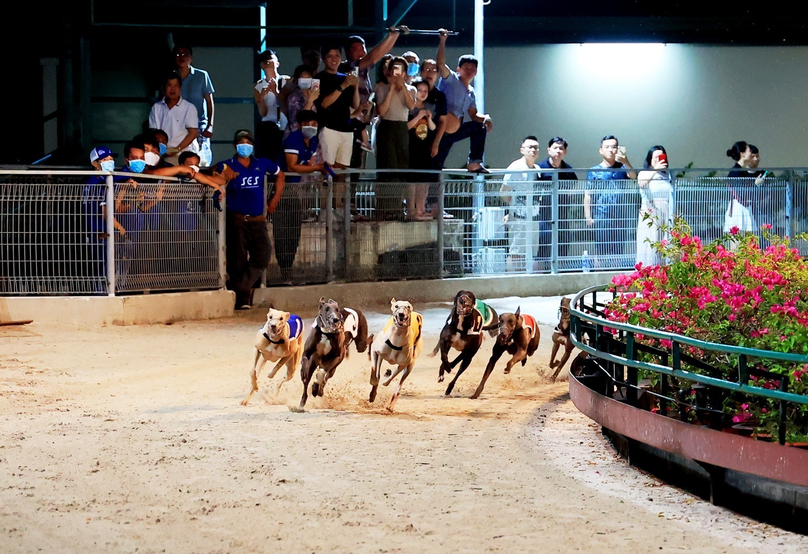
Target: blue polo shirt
(194, 88)
(295, 143)
(459, 97)
(93, 200)
(245, 193)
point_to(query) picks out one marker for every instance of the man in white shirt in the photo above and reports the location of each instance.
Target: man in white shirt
(178, 118)
(518, 190)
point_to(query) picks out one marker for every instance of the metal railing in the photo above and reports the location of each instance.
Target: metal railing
(58, 234)
(372, 231)
(615, 351)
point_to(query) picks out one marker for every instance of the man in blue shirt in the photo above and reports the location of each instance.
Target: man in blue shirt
(198, 90)
(462, 118)
(298, 147)
(604, 210)
(248, 248)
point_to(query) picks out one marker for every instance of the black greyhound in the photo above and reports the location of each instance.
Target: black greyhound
(327, 344)
(463, 331)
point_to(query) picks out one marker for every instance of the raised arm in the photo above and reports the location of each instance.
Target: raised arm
(377, 52)
(441, 56)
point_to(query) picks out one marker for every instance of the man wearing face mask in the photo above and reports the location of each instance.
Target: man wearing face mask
(248, 248)
(299, 148)
(413, 65)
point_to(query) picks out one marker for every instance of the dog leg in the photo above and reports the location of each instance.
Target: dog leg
(567, 351)
(445, 345)
(520, 356)
(375, 369)
(254, 373)
(398, 387)
(556, 344)
(466, 362)
(496, 354)
(398, 370)
(275, 369)
(305, 376)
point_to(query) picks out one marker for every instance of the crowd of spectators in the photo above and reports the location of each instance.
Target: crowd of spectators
(329, 114)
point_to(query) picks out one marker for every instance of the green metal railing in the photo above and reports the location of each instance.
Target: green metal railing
(616, 356)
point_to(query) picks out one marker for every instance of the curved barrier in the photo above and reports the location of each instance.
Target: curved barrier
(606, 389)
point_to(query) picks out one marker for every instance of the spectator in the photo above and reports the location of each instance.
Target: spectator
(198, 90)
(413, 65)
(422, 133)
(94, 207)
(359, 61)
(746, 209)
(608, 216)
(177, 117)
(393, 103)
(519, 191)
(156, 143)
(191, 160)
(310, 57)
(462, 120)
(657, 200)
(430, 74)
(557, 150)
(246, 229)
(304, 93)
(339, 94)
(267, 97)
(299, 148)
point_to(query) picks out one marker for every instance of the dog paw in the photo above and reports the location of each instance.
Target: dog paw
(440, 378)
(296, 409)
(244, 402)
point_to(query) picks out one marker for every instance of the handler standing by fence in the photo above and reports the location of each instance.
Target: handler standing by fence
(248, 246)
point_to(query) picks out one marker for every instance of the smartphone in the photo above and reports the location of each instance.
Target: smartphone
(305, 82)
(315, 83)
(622, 150)
(355, 72)
(261, 85)
(663, 157)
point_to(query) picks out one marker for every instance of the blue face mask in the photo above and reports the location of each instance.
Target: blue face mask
(137, 166)
(163, 149)
(108, 165)
(412, 69)
(244, 150)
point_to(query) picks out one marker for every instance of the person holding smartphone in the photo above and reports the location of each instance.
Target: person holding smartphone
(266, 93)
(657, 200)
(746, 210)
(305, 92)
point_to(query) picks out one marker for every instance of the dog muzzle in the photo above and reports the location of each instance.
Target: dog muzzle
(401, 320)
(329, 327)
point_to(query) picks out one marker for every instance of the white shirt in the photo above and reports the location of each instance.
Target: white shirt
(175, 121)
(521, 185)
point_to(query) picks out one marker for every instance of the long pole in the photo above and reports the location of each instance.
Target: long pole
(479, 80)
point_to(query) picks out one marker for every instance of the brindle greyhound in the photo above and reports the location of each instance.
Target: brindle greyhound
(463, 331)
(519, 336)
(561, 337)
(327, 344)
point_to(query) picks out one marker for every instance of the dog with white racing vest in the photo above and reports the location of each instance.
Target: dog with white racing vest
(279, 340)
(399, 344)
(331, 334)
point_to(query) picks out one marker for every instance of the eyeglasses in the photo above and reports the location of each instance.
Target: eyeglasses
(430, 70)
(182, 54)
(532, 147)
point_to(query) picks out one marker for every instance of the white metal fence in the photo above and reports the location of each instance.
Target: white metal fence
(57, 238)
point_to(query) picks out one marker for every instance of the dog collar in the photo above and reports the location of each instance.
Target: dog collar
(393, 346)
(273, 341)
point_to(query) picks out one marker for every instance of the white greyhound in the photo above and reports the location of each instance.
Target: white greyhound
(279, 340)
(398, 344)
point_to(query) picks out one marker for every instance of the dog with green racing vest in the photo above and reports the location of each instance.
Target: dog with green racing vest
(463, 331)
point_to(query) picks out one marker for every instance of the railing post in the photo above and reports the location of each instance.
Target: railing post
(441, 224)
(110, 226)
(329, 231)
(631, 372)
(781, 427)
(266, 220)
(554, 223)
(346, 223)
(664, 389)
(791, 223)
(221, 234)
(530, 227)
(478, 202)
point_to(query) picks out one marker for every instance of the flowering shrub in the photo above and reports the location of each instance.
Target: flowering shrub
(730, 292)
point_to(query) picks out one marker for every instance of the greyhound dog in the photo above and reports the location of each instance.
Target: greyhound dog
(463, 332)
(519, 336)
(279, 340)
(561, 337)
(398, 344)
(332, 332)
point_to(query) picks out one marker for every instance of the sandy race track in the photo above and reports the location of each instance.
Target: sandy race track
(127, 439)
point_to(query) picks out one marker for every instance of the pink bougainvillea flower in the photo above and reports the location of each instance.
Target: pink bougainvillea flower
(767, 226)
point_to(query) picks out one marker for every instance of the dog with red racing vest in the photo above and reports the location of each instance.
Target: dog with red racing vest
(518, 336)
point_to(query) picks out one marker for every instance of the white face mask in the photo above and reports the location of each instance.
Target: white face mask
(195, 168)
(151, 158)
(308, 131)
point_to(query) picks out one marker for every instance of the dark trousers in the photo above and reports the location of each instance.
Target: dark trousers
(268, 139)
(472, 130)
(247, 255)
(286, 223)
(392, 152)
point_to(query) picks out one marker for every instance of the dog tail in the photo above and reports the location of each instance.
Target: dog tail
(435, 350)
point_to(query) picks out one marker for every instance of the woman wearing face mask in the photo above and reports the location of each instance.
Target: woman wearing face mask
(746, 208)
(657, 199)
(302, 96)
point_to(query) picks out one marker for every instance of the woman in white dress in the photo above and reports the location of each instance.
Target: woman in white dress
(744, 184)
(657, 201)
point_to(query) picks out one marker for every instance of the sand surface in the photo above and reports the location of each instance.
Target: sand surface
(125, 439)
